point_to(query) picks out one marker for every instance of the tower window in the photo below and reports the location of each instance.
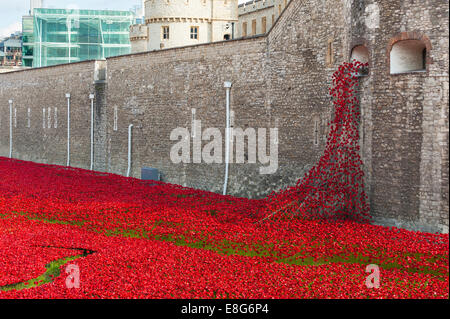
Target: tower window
(254, 27)
(194, 33)
(244, 29)
(408, 56)
(361, 54)
(263, 24)
(330, 54)
(165, 33)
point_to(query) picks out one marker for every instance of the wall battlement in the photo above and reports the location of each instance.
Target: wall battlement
(138, 32)
(279, 80)
(255, 5)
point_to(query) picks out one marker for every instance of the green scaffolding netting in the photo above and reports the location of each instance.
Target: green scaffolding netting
(64, 36)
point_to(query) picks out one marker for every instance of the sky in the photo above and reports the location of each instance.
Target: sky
(11, 11)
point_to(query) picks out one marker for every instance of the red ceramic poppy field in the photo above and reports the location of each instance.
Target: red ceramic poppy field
(129, 238)
(165, 241)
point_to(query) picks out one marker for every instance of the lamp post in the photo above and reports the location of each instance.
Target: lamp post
(227, 85)
(68, 128)
(91, 97)
(10, 128)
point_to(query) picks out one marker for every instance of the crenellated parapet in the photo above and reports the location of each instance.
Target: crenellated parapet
(139, 36)
(176, 10)
(138, 32)
(254, 5)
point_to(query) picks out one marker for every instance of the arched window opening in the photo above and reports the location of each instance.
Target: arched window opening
(408, 56)
(361, 54)
(226, 37)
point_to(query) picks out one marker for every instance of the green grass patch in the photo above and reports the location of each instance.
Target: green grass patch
(260, 249)
(53, 271)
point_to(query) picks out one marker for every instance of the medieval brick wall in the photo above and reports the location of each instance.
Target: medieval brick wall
(405, 116)
(279, 80)
(44, 89)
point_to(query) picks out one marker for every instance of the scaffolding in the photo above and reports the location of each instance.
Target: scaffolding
(72, 35)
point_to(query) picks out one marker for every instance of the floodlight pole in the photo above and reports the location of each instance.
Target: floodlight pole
(68, 128)
(10, 128)
(227, 86)
(91, 97)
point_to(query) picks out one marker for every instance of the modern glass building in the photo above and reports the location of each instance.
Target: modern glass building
(27, 41)
(56, 36)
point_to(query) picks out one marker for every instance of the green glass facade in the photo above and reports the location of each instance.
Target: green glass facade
(64, 36)
(27, 41)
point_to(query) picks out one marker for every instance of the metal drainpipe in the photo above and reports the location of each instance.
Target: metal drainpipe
(68, 128)
(227, 86)
(10, 128)
(129, 150)
(92, 96)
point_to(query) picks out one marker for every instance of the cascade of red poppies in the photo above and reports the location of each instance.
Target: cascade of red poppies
(334, 188)
(158, 240)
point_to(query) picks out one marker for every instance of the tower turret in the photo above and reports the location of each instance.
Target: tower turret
(173, 23)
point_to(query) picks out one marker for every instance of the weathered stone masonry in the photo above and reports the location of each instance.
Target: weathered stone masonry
(281, 80)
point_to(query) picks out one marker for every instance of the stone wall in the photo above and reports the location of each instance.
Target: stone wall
(160, 98)
(44, 89)
(405, 115)
(280, 80)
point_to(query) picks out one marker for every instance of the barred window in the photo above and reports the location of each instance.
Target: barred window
(165, 33)
(194, 33)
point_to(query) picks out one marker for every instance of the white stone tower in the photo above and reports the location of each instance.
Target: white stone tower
(175, 23)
